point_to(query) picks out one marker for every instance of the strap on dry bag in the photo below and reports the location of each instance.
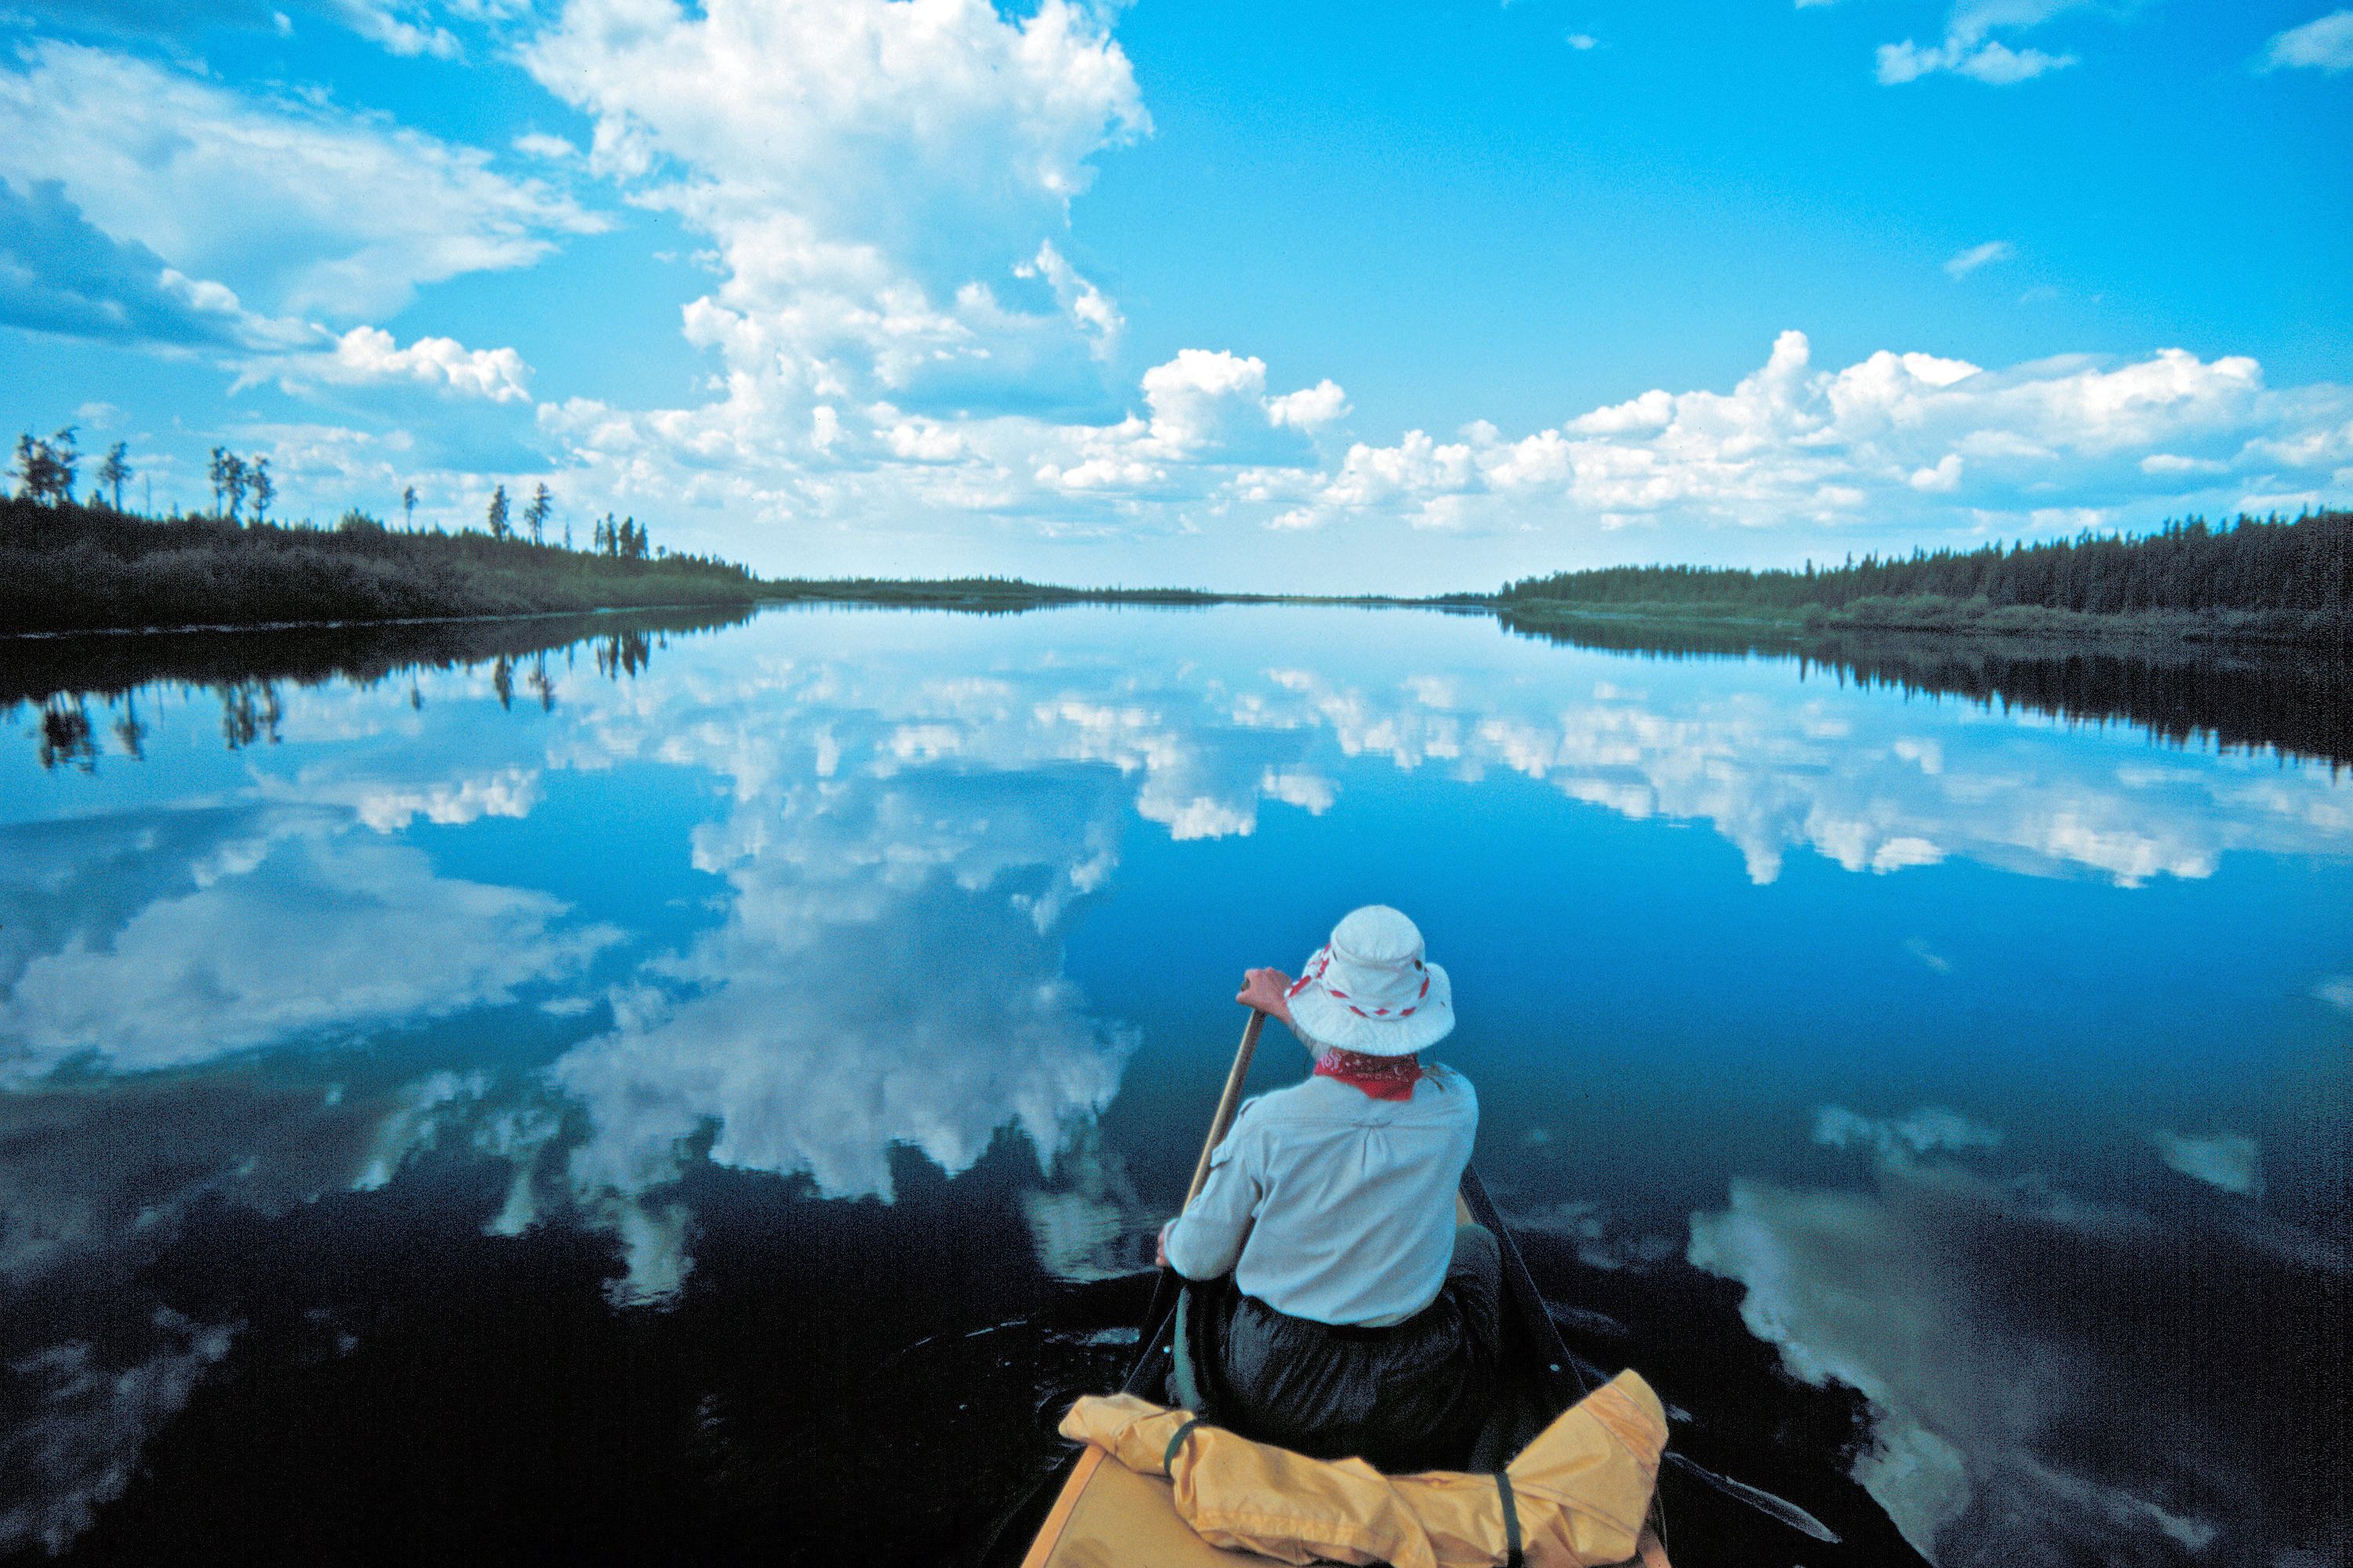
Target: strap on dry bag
(1176, 1441)
(1512, 1558)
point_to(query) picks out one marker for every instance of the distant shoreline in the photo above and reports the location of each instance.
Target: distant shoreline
(914, 594)
(67, 569)
(2012, 626)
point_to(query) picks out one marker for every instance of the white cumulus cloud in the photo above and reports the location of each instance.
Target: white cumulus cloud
(1977, 256)
(2323, 44)
(371, 354)
(1311, 407)
(1793, 444)
(296, 205)
(1970, 49)
(774, 127)
(405, 29)
(1991, 61)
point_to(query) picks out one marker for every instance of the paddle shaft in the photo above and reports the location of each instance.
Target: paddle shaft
(1228, 1102)
(1163, 1289)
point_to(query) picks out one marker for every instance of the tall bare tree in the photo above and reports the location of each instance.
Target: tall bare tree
(233, 477)
(63, 459)
(115, 470)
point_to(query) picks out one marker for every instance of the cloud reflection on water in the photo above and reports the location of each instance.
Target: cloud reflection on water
(279, 927)
(899, 822)
(72, 1454)
(2056, 1379)
(889, 973)
(1849, 775)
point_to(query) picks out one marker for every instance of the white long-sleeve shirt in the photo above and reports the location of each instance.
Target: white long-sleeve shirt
(1329, 1204)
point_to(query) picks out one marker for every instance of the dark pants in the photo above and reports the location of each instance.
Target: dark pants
(1411, 1397)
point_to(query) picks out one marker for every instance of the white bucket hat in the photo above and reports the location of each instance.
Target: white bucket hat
(1369, 989)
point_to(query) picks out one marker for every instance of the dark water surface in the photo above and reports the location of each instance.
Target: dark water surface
(615, 1092)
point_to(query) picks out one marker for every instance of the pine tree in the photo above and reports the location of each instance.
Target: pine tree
(499, 529)
(535, 516)
(44, 470)
(265, 490)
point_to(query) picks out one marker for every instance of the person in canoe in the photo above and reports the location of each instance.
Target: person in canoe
(1337, 1310)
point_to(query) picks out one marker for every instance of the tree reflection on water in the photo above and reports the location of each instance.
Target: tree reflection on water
(65, 735)
(244, 671)
(2297, 702)
(2293, 702)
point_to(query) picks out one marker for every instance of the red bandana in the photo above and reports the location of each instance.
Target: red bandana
(1383, 1078)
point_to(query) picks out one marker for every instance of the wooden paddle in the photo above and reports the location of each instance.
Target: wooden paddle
(1228, 1102)
(1163, 1289)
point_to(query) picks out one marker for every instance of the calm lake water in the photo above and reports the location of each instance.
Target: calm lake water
(708, 1094)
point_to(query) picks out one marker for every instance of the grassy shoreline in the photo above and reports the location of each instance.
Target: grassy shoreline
(67, 567)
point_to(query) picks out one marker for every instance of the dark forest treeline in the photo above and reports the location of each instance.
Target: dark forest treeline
(987, 596)
(2299, 574)
(980, 594)
(68, 567)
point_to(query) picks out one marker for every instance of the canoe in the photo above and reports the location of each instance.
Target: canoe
(1107, 1516)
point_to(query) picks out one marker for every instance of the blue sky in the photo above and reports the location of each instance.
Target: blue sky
(1303, 296)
